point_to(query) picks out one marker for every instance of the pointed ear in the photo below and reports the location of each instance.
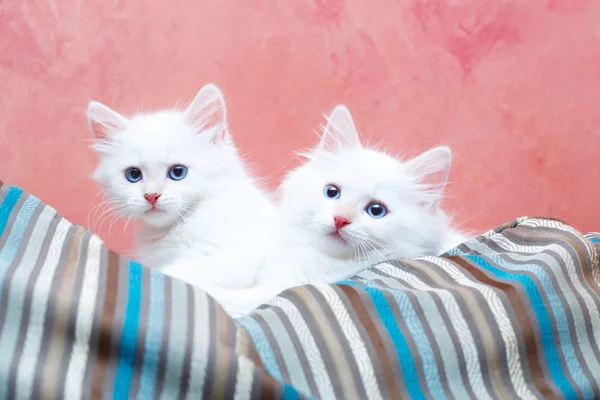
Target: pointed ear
(207, 113)
(431, 170)
(340, 132)
(104, 121)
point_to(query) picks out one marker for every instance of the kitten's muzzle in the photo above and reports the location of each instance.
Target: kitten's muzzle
(340, 222)
(151, 198)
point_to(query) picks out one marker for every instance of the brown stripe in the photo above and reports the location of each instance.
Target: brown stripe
(494, 344)
(439, 304)
(506, 225)
(528, 236)
(71, 313)
(585, 253)
(324, 334)
(571, 323)
(298, 299)
(538, 238)
(103, 269)
(244, 346)
(448, 323)
(187, 362)
(142, 330)
(257, 383)
(211, 356)
(62, 302)
(233, 365)
(388, 370)
(29, 289)
(162, 358)
(225, 364)
(7, 280)
(392, 283)
(48, 317)
(117, 328)
(475, 318)
(102, 358)
(359, 389)
(291, 332)
(411, 344)
(264, 326)
(528, 338)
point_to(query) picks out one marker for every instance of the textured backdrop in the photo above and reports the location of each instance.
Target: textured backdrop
(512, 86)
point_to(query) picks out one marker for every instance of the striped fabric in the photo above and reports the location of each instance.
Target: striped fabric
(514, 313)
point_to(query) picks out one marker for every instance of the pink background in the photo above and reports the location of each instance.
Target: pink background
(513, 86)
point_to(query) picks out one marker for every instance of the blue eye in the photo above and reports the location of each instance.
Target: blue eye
(177, 172)
(332, 191)
(376, 210)
(133, 174)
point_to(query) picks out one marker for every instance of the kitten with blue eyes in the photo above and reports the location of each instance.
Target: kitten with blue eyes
(178, 174)
(346, 209)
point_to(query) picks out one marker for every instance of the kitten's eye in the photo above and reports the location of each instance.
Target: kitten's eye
(133, 174)
(376, 210)
(177, 172)
(332, 191)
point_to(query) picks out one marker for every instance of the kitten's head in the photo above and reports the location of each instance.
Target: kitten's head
(156, 167)
(363, 204)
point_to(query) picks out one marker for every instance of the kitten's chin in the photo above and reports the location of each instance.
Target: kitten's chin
(157, 218)
(336, 245)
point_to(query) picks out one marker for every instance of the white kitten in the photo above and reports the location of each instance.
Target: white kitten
(345, 209)
(179, 175)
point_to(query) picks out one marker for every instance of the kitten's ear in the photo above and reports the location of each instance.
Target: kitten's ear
(104, 121)
(431, 170)
(207, 113)
(340, 132)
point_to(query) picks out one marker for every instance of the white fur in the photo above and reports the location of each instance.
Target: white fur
(302, 249)
(211, 216)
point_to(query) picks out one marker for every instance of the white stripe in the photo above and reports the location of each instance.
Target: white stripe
(355, 341)
(177, 346)
(39, 302)
(567, 290)
(288, 352)
(201, 339)
(448, 350)
(515, 368)
(467, 343)
(17, 293)
(85, 320)
(307, 341)
(243, 381)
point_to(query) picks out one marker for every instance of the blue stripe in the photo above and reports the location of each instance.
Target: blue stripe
(595, 240)
(409, 371)
(11, 198)
(543, 316)
(262, 345)
(290, 393)
(10, 248)
(417, 332)
(127, 347)
(156, 313)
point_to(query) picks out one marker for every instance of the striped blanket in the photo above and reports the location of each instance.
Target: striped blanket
(514, 313)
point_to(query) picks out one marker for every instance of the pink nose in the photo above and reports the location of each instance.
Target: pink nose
(340, 222)
(152, 198)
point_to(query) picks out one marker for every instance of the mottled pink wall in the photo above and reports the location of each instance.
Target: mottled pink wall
(513, 86)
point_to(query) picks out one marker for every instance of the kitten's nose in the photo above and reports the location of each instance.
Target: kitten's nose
(152, 198)
(340, 221)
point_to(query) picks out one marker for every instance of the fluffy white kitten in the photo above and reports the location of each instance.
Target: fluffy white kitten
(346, 209)
(178, 174)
